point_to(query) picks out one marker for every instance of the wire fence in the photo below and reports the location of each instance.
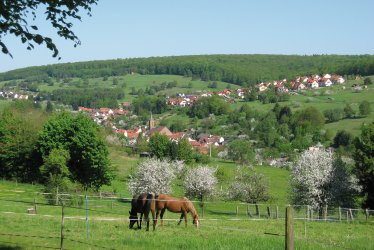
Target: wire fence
(214, 214)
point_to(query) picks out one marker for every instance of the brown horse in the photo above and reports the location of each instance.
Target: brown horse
(175, 205)
(143, 204)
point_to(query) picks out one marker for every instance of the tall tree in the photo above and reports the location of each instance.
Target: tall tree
(89, 163)
(240, 151)
(16, 16)
(249, 186)
(364, 108)
(365, 163)
(317, 178)
(159, 145)
(19, 127)
(200, 182)
(154, 176)
(185, 151)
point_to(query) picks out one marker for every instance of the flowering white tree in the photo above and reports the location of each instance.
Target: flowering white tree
(200, 182)
(319, 179)
(249, 186)
(154, 176)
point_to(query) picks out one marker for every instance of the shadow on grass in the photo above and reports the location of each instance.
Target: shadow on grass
(4, 246)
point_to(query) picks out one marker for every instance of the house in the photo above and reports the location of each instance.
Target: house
(177, 136)
(240, 93)
(83, 109)
(261, 87)
(338, 79)
(327, 76)
(107, 111)
(313, 84)
(327, 82)
(211, 140)
(198, 146)
(160, 130)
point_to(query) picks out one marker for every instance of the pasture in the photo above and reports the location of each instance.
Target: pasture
(108, 223)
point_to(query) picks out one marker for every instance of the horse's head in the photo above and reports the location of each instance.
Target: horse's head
(133, 218)
(196, 220)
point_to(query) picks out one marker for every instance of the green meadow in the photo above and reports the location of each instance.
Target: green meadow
(107, 227)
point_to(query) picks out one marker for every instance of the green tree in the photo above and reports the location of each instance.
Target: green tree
(56, 172)
(240, 151)
(15, 16)
(249, 186)
(367, 81)
(343, 139)
(205, 106)
(333, 115)
(19, 127)
(349, 112)
(364, 108)
(89, 163)
(307, 121)
(185, 151)
(159, 145)
(364, 159)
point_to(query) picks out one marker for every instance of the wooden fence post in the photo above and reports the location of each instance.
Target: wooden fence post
(62, 226)
(340, 214)
(269, 212)
(248, 212)
(276, 212)
(257, 210)
(307, 212)
(325, 213)
(350, 213)
(237, 210)
(35, 206)
(56, 196)
(347, 216)
(289, 240)
(367, 214)
(87, 223)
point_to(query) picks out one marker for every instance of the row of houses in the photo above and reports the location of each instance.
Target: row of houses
(299, 83)
(183, 100)
(13, 95)
(102, 115)
(302, 82)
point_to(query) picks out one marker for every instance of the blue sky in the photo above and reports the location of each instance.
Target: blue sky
(144, 28)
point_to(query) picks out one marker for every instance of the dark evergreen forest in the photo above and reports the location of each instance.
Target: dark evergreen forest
(244, 70)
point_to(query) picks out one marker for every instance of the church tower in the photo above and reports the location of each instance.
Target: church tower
(151, 123)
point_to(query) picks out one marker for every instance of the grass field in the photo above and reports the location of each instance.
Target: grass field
(108, 227)
(3, 104)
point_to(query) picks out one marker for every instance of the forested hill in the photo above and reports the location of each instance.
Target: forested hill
(238, 69)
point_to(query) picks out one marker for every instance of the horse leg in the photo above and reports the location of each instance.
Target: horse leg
(157, 214)
(185, 217)
(147, 220)
(162, 216)
(141, 218)
(154, 220)
(181, 218)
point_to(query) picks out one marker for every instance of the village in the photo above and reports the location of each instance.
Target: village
(204, 142)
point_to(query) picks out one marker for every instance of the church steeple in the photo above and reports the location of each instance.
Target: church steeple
(151, 123)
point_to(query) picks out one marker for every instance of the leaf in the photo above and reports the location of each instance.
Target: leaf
(38, 39)
(34, 27)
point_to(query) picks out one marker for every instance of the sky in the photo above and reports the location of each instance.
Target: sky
(145, 28)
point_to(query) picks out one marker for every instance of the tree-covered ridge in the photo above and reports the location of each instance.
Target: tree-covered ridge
(237, 69)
